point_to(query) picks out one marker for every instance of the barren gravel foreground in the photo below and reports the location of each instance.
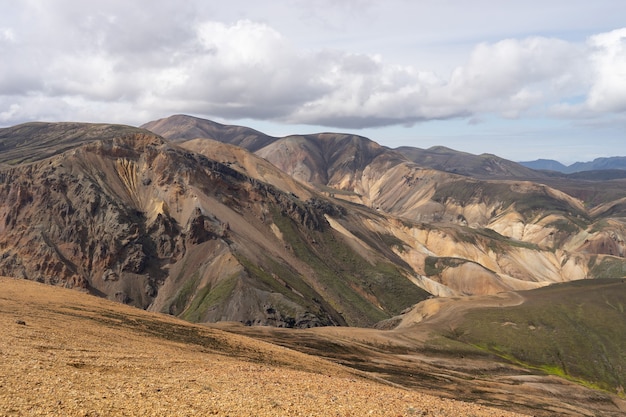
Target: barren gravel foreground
(70, 354)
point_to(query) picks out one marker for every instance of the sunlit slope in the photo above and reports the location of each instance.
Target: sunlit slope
(67, 353)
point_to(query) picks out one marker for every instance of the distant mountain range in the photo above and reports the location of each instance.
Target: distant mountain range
(598, 164)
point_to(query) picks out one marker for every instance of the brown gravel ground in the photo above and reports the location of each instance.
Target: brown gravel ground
(65, 353)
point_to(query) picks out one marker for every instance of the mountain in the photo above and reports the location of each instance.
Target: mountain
(598, 164)
(489, 288)
(485, 166)
(135, 218)
(616, 162)
(453, 229)
(310, 230)
(545, 164)
(181, 127)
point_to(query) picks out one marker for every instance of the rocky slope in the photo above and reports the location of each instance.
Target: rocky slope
(135, 218)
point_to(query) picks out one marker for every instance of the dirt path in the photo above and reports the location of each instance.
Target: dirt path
(450, 311)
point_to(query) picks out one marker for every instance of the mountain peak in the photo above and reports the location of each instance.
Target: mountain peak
(182, 127)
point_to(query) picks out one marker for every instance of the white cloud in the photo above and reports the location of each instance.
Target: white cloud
(506, 77)
(7, 35)
(605, 81)
(512, 75)
(139, 60)
(246, 69)
(11, 112)
(608, 57)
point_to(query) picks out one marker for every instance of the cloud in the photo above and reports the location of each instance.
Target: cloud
(246, 69)
(605, 93)
(507, 77)
(112, 60)
(512, 76)
(608, 58)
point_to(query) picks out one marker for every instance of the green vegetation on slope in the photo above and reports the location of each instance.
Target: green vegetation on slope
(181, 299)
(434, 266)
(575, 330)
(209, 296)
(280, 278)
(362, 292)
(607, 267)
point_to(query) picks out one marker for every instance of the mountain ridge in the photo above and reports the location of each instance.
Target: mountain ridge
(391, 183)
(598, 164)
(327, 229)
(127, 217)
(182, 127)
(483, 166)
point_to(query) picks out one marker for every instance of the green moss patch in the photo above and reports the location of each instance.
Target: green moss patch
(209, 296)
(575, 330)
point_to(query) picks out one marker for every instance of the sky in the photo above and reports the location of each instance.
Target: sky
(520, 79)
